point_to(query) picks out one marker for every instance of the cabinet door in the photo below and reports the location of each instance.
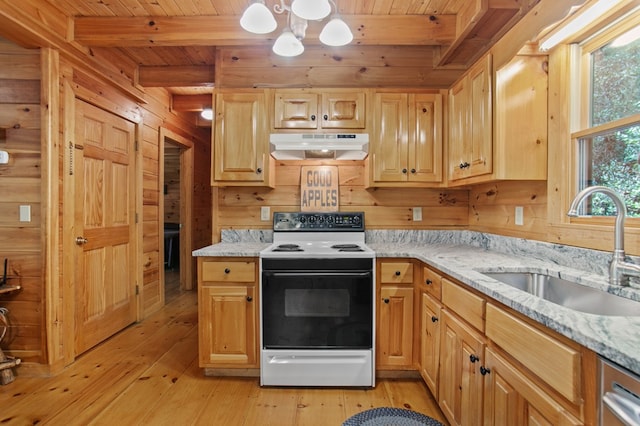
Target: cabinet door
(343, 110)
(430, 341)
(460, 382)
(481, 136)
(296, 110)
(227, 326)
(389, 139)
(425, 138)
(459, 116)
(511, 398)
(241, 146)
(395, 327)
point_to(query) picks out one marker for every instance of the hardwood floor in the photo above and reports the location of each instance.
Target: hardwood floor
(148, 374)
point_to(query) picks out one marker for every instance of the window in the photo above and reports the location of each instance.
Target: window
(608, 146)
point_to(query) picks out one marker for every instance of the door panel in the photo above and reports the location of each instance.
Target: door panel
(104, 225)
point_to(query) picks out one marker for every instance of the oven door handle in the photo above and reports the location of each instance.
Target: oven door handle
(316, 273)
(626, 410)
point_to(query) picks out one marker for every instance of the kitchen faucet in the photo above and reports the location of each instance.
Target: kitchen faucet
(619, 269)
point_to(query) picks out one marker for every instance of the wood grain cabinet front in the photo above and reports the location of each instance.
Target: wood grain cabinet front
(240, 154)
(227, 313)
(406, 142)
(319, 109)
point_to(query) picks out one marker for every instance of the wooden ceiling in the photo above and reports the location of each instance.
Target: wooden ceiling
(189, 46)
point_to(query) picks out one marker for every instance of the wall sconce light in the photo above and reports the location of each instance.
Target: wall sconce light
(258, 19)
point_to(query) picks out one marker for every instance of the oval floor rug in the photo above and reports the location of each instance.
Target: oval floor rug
(387, 416)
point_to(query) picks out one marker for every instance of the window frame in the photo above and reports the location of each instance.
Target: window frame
(580, 106)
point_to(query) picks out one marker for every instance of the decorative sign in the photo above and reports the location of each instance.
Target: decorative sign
(319, 189)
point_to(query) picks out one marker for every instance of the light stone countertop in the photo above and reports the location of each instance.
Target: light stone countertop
(463, 255)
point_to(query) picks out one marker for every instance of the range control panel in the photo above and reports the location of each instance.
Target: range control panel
(319, 221)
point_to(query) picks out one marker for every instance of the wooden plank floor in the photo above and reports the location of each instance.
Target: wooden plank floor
(148, 374)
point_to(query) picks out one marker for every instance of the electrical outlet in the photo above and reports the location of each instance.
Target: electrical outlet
(519, 220)
(417, 214)
(265, 214)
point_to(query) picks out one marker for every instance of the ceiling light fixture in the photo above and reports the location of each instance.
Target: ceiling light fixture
(207, 114)
(258, 19)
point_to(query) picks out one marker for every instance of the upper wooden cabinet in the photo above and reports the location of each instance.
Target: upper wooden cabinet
(313, 109)
(240, 154)
(498, 122)
(406, 140)
(470, 117)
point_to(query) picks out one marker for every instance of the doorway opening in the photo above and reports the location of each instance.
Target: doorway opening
(172, 220)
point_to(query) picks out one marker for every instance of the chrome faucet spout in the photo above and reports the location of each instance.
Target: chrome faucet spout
(619, 269)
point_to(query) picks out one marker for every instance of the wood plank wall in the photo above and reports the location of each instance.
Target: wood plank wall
(385, 208)
(171, 183)
(20, 184)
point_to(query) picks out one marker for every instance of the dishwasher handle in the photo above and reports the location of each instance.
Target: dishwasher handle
(626, 410)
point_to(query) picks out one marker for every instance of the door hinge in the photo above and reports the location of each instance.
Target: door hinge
(136, 218)
(137, 289)
(135, 145)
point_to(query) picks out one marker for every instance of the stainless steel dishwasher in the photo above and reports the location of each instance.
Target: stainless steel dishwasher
(619, 395)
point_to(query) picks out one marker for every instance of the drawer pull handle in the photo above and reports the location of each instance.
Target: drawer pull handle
(434, 319)
(227, 270)
(385, 300)
(397, 273)
(249, 298)
(473, 358)
(484, 371)
(428, 282)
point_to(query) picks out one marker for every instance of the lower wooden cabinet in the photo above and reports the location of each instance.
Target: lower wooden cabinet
(512, 398)
(227, 313)
(461, 382)
(430, 320)
(395, 327)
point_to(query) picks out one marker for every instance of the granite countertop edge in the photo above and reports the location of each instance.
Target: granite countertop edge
(616, 338)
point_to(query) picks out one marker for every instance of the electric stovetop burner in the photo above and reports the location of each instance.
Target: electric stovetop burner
(347, 247)
(288, 247)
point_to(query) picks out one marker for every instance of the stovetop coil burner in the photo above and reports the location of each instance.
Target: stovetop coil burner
(288, 247)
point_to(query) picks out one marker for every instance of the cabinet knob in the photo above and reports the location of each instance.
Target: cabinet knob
(259, 170)
(404, 171)
(428, 282)
(227, 270)
(385, 300)
(326, 117)
(413, 171)
(313, 117)
(397, 273)
(249, 298)
(484, 371)
(434, 319)
(473, 358)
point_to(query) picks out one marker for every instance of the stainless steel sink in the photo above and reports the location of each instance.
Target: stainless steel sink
(568, 293)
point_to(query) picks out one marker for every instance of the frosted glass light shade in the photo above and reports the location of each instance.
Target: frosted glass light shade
(258, 19)
(336, 33)
(312, 10)
(207, 114)
(287, 44)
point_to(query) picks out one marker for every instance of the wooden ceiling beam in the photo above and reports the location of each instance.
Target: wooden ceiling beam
(420, 30)
(176, 76)
(191, 102)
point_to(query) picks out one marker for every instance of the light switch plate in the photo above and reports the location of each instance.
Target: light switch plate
(519, 220)
(417, 214)
(265, 213)
(25, 213)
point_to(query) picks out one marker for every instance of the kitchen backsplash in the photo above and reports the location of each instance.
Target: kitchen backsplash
(574, 257)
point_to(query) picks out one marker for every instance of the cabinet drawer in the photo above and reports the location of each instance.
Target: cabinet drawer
(396, 272)
(230, 271)
(432, 282)
(464, 303)
(552, 361)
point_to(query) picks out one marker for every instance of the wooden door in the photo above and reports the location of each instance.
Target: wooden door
(297, 110)
(430, 342)
(481, 135)
(425, 138)
(104, 178)
(459, 117)
(389, 144)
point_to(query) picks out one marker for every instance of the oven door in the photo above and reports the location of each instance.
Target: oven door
(317, 304)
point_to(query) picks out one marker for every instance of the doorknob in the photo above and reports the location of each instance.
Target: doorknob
(81, 240)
